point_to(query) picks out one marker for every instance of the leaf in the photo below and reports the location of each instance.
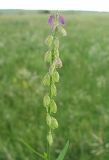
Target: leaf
(32, 149)
(46, 156)
(63, 152)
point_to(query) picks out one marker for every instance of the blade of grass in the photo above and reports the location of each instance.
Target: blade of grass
(32, 149)
(63, 152)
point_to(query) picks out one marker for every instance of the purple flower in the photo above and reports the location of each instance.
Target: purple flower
(51, 20)
(61, 19)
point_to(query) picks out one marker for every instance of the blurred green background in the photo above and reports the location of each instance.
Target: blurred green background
(83, 91)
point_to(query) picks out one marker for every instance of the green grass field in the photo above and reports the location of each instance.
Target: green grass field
(83, 91)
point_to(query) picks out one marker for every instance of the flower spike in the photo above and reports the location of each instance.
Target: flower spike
(50, 79)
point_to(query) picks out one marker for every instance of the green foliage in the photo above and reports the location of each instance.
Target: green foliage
(63, 152)
(31, 149)
(83, 91)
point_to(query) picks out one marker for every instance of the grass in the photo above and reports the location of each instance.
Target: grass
(83, 91)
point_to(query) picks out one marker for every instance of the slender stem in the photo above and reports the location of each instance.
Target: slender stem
(48, 151)
(49, 130)
(48, 146)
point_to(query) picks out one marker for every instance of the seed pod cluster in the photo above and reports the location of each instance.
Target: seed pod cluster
(52, 76)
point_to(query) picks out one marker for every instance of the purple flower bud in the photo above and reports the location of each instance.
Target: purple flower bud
(51, 20)
(61, 19)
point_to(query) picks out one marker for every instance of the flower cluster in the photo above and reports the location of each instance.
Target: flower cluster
(52, 76)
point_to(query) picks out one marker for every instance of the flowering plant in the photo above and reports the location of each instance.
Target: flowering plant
(52, 77)
(52, 57)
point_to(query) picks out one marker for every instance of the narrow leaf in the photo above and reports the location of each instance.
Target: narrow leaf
(63, 152)
(32, 149)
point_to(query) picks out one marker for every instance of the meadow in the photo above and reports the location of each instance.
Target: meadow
(83, 91)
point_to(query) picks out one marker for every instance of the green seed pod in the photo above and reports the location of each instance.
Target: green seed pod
(47, 57)
(56, 43)
(46, 101)
(52, 68)
(53, 90)
(55, 76)
(53, 106)
(56, 52)
(62, 30)
(48, 120)
(54, 123)
(58, 63)
(50, 138)
(46, 80)
(49, 40)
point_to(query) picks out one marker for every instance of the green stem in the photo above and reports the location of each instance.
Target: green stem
(49, 130)
(48, 150)
(49, 109)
